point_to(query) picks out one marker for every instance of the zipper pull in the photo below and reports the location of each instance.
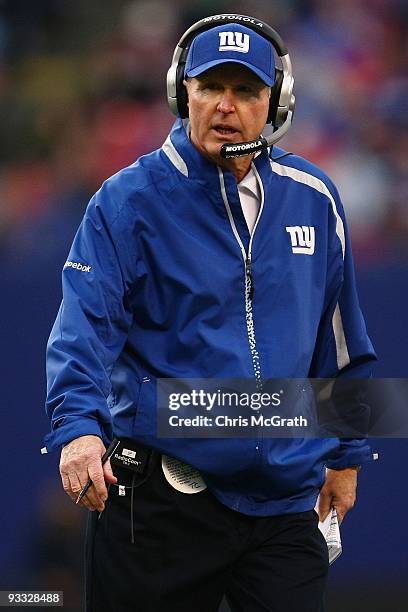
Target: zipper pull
(248, 266)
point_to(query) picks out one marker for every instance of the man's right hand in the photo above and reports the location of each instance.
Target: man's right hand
(81, 460)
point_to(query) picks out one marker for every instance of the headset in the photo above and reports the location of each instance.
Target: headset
(282, 100)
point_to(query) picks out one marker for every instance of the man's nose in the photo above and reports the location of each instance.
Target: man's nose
(226, 103)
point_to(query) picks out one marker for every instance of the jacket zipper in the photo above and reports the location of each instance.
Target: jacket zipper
(248, 272)
(249, 281)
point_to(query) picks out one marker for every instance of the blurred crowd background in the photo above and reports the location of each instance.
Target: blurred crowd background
(82, 94)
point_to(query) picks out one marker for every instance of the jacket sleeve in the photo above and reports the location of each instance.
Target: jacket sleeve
(343, 349)
(91, 326)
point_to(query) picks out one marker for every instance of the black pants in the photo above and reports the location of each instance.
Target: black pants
(190, 550)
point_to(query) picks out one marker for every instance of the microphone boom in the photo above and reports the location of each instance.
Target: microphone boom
(243, 148)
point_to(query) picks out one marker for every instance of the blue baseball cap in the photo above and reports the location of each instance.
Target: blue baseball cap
(231, 43)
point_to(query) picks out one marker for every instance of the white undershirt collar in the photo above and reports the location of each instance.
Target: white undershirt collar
(250, 197)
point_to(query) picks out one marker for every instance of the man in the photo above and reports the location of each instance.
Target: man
(190, 265)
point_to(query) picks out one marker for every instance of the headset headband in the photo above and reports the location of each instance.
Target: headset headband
(254, 24)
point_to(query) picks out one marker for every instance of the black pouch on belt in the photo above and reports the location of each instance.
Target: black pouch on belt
(131, 455)
(132, 463)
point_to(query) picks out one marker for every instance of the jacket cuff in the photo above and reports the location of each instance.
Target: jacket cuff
(70, 427)
(351, 453)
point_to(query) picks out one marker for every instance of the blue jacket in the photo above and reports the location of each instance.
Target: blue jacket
(163, 280)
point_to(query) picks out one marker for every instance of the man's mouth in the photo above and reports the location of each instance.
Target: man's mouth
(225, 130)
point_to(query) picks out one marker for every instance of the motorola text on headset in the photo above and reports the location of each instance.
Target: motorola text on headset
(282, 100)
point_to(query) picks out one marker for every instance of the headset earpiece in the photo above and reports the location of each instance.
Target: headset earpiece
(275, 96)
(182, 97)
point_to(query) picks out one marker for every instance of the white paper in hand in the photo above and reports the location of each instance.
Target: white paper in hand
(331, 531)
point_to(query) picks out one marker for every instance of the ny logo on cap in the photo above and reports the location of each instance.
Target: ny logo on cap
(234, 41)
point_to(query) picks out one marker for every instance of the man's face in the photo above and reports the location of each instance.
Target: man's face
(228, 103)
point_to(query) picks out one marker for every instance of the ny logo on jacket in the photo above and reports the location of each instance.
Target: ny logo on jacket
(302, 239)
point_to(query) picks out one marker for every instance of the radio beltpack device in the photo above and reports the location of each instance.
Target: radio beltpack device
(130, 456)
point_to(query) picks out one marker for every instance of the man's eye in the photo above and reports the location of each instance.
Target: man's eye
(210, 86)
(246, 89)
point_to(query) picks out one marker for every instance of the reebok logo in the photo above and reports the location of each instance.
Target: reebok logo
(234, 41)
(129, 453)
(77, 266)
(302, 239)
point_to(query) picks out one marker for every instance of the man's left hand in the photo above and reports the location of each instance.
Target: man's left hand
(339, 492)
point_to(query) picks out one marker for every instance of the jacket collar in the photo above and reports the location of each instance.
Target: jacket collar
(185, 157)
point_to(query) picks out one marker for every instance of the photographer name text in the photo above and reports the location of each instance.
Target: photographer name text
(255, 420)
